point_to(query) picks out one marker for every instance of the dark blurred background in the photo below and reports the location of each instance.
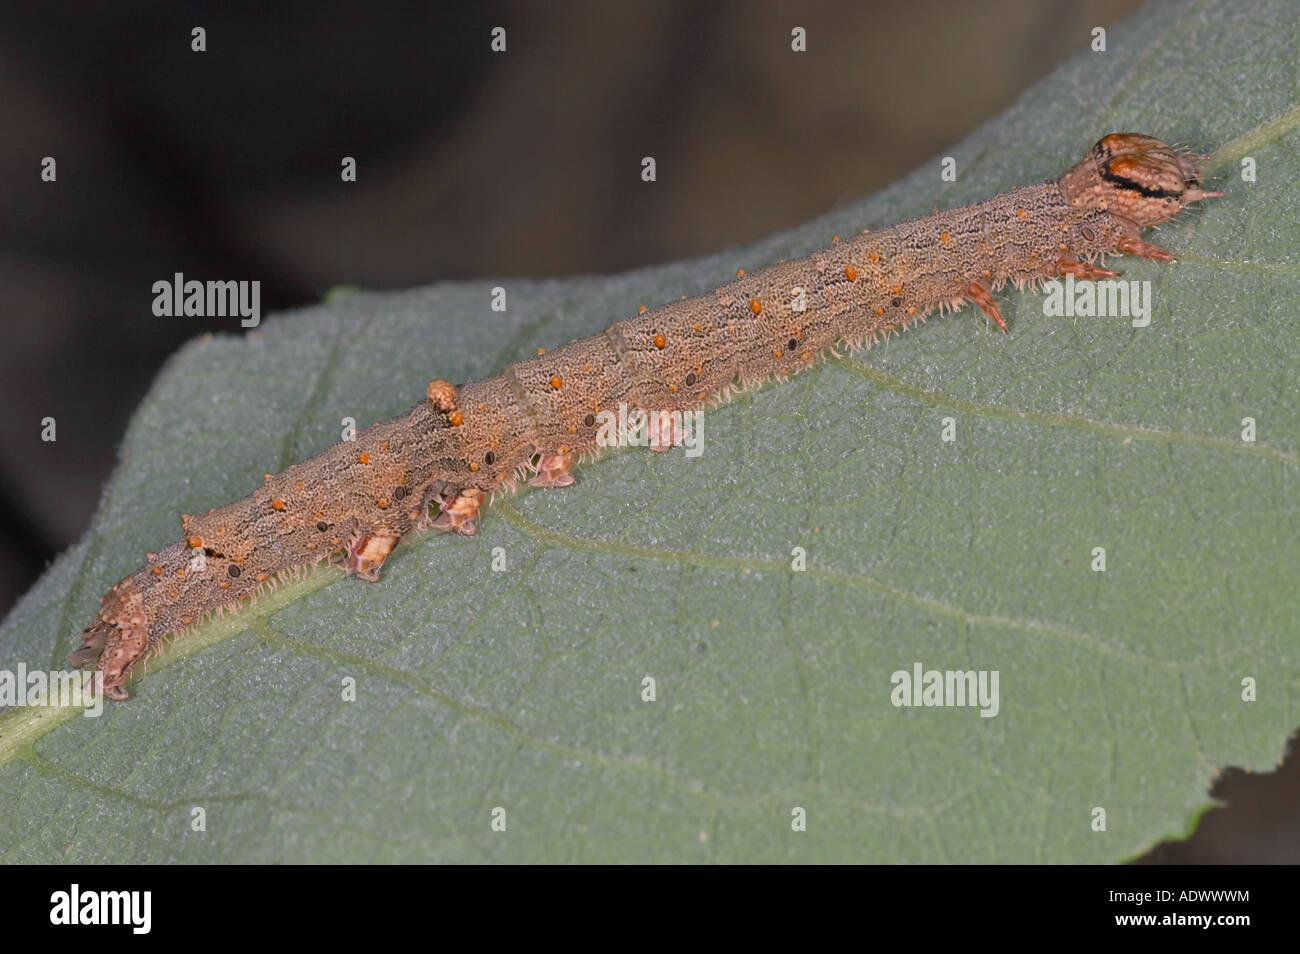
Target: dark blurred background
(225, 165)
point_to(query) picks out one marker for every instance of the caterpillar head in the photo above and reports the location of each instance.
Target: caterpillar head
(1134, 177)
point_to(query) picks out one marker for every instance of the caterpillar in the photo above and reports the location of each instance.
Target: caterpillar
(441, 462)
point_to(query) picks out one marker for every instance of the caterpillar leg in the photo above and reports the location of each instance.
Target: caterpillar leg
(91, 647)
(979, 292)
(553, 471)
(122, 649)
(1082, 270)
(368, 551)
(1135, 246)
(665, 430)
(116, 639)
(457, 509)
(459, 512)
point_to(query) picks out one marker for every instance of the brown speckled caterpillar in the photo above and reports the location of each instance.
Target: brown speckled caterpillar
(454, 450)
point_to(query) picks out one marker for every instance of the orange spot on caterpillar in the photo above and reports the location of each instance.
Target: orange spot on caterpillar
(874, 257)
(277, 504)
(850, 273)
(383, 503)
(541, 351)
(195, 542)
(157, 571)
(261, 577)
(878, 310)
(944, 237)
(384, 445)
(456, 419)
(740, 273)
(572, 429)
(755, 305)
(473, 465)
(180, 573)
(835, 238)
(557, 382)
(660, 341)
(672, 388)
(1020, 213)
(698, 326)
(363, 457)
(911, 309)
(586, 367)
(267, 476)
(300, 485)
(640, 309)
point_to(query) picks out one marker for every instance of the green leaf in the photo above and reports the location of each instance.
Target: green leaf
(522, 689)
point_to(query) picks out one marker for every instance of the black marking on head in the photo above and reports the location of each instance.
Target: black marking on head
(1124, 182)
